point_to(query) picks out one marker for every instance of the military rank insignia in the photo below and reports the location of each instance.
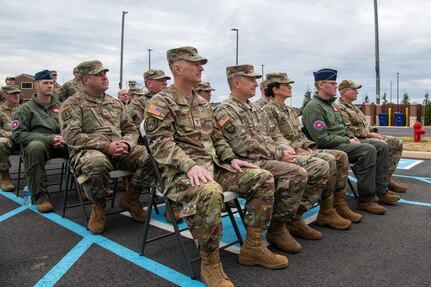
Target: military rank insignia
(319, 125)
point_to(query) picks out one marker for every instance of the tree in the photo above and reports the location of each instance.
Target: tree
(366, 99)
(406, 98)
(384, 99)
(427, 115)
(307, 98)
(427, 97)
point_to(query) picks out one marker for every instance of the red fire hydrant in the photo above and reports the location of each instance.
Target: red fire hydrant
(418, 131)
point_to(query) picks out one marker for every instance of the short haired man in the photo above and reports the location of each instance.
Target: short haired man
(357, 123)
(36, 128)
(326, 126)
(71, 87)
(197, 165)
(286, 119)
(123, 96)
(204, 90)
(12, 96)
(101, 138)
(57, 86)
(264, 99)
(9, 81)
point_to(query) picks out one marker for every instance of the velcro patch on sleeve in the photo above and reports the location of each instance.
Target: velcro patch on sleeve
(224, 120)
(14, 125)
(66, 114)
(155, 110)
(319, 125)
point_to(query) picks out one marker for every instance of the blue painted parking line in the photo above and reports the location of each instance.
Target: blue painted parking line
(12, 213)
(408, 163)
(152, 266)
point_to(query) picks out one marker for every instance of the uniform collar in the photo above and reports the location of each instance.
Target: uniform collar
(246, 106)
(102, 100)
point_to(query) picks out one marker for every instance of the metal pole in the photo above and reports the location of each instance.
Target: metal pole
(237, 37)
(376, 27)
(262, 70)
(149, 59)
(391, 94)
(398, 89)
(122, 49)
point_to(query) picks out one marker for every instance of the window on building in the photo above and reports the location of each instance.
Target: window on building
(26, 85)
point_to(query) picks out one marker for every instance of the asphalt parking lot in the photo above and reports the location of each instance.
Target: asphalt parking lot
(48, 250)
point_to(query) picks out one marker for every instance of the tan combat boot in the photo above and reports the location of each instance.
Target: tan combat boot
(130, 202)
(395, 186)
(254, 251)
(176, 210)
(6, 182)
(388, 198)
(343, 210)
(279, 236)
(297, 227)
(212, 273)
(96, 224)
(45, 207)
(329, 217)
(371, 207)
(109, 192)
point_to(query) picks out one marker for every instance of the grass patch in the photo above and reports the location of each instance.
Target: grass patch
(410, 145)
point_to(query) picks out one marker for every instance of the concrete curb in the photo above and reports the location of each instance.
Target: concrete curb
(417, 154)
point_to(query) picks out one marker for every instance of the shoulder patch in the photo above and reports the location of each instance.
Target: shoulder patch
(230, 128)
(335, 109)
(54, 110)
(14, 125)
(150, 124)
(155, 110)
(224, 120)
(66, 114)
(319, 125)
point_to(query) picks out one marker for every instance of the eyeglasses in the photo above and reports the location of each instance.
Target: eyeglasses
(334, 84)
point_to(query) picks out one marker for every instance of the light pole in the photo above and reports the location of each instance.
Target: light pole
(122, 47)
(398, 89)
(391, 94)
(149, 59)
(376, 28)
(237, 32)
(262, 71)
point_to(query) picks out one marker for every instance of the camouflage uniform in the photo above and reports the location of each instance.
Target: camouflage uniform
(56, 91)
(286, 120)
(184, 133)
(69, 89)
(34, 126)
(7, 144)
(2, 99)
(260, 103)
(357, 123)
(89, 125)
(249, 135)
(137, 108)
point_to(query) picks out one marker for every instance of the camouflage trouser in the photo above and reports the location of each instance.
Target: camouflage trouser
(339, 170)
(290, 180)
(6, 148)
(36, 154)
(395, 146)
(318, 172)
(93, 167)
(202, 211)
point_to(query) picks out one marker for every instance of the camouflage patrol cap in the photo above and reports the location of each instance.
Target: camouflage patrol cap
(263, 84)
(90, 68)
(184, 53)
(132, 82)
(242, 70)
(75, 70)
(204, 86)
(155, 75)
(348, 84)
(10, 78)
(53, 72)
(135, 91)
(278, 78)
(11, 89)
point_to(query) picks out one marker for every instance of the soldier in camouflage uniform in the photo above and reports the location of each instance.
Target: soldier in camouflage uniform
(263, 98)
(204, 90)
(36, 128)
(71, 87)
(9, 81)
(134, 94)
(357, 123)
(197, 165)
(101, 137)
(12, 95)
(285, 118)
(326, 127)
(57, 86)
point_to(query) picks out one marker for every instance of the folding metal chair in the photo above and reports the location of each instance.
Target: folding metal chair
(157, 190)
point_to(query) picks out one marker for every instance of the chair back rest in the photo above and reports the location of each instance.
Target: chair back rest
(303, 129)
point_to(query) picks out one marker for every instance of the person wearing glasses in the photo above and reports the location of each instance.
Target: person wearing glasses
(326, 127)
(71, 87)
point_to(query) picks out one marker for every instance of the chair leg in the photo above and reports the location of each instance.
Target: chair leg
(240, 211)
(19, 175)
(147, 221)
(232, 219)
(66, 191)
(352, 188)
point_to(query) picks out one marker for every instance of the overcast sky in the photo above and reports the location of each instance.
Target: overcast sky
(292, 36)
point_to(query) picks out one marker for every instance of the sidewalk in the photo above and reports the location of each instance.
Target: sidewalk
(417, 154)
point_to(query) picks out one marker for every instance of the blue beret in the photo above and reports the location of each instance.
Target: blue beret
(42, 75)
(325, 75)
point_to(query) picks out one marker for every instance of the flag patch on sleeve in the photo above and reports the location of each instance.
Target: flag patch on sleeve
(155, 110)
(224, 120)
(319, 125)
